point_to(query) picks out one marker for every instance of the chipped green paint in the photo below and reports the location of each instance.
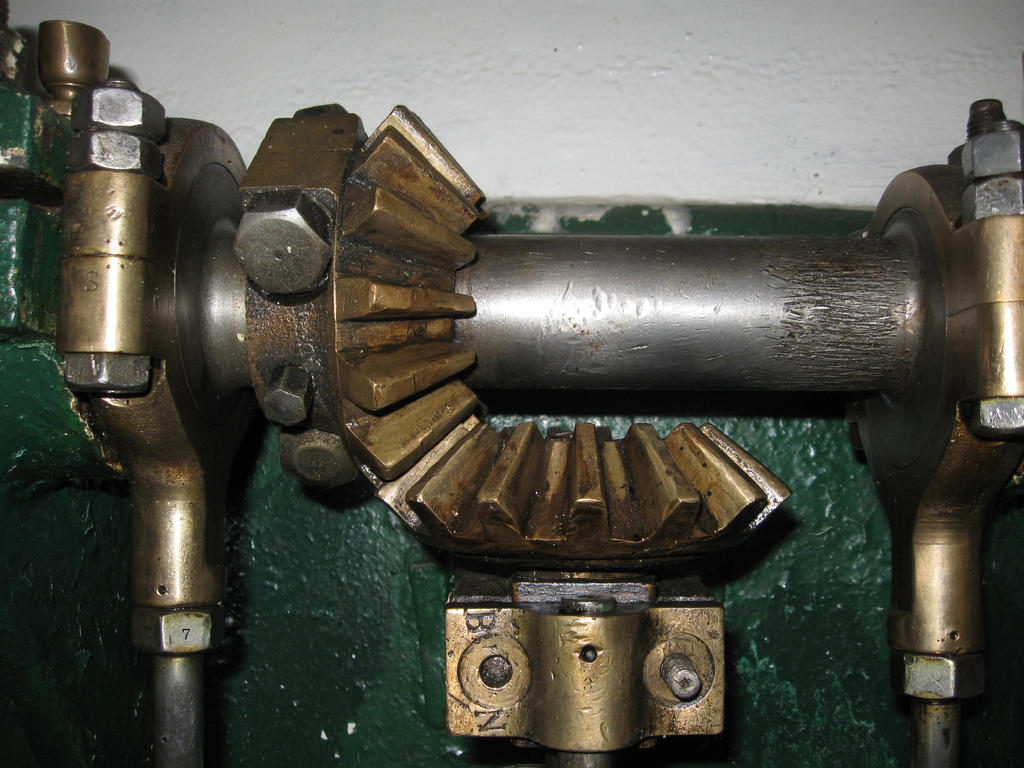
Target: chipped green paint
(334, 647)
(42, 438)
(28, 268)
(33, 146)
(637, 219)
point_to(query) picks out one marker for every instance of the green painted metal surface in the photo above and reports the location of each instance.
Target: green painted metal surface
(33, 146)
(334, 649)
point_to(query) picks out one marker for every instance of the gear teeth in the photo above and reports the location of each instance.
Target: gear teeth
(503, 501)
(392, 443)
(396, 493)
(368, 335)
(385, 219)
(447, 492)
(728, 491)
(588, 509)
(358, 298)
(376, 380)
(390, 161)
(668, 501)
(586, 496)
(413, 130)
(774, 489)
(547, 520)
(624, 516)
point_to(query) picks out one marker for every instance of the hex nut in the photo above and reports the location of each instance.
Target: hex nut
(994, 196)
(285, 246)
(997, 418)
(317, 458)
(992, 154)
(107, 372)
(115, 151)
(119, 105)
(161, 630)
(288, 396)
(925, 676)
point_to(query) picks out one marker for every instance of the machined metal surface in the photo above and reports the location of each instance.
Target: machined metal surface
(927, 676)
(107, 372)
(598, 312)
(72, 56)
(178, 721)
(191, 630)
(317, 458)
(934, 734)
(581, 681)
(115, 151)
(580, 760)
(119, 106)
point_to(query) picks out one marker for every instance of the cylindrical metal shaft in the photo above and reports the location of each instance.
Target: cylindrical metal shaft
(579, 759)
(600, 312)
(934, 734)
(178, 711)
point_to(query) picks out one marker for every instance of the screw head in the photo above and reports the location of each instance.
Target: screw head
(681, 676)
(288, 396)
(283, 244)
(495, 671)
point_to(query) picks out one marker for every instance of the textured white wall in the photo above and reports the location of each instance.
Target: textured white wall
(745, 101)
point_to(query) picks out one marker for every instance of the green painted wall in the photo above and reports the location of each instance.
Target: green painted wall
(335, 634)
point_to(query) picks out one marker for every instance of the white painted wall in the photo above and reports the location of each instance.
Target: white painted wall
(744, 101)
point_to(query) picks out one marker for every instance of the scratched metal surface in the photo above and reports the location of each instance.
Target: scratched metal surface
(334, 655)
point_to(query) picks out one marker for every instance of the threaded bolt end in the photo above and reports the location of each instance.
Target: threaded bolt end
(987, 116)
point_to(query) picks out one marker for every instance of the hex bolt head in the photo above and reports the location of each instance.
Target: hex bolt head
(996, 418)
(284, 246)
(288, 396)
(118, 105)
(993, 153)
(681, 676)
(317, 458)
(495, 671)
(994, 196)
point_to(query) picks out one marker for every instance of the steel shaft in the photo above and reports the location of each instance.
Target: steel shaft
(580, 759)
(934, 734)
(750, 313)
(178, 711)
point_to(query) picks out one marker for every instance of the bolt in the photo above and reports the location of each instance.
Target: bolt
(996, 418)
(283, 243)
(288, 396)
(986, 116)
(681, 676)
(317, 458)
(495, 671)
